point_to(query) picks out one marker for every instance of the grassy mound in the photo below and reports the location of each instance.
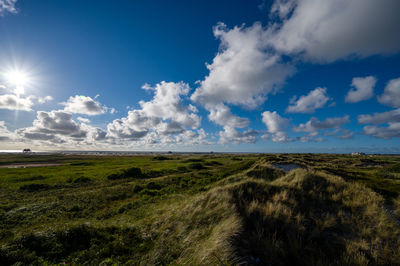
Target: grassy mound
(316, 219)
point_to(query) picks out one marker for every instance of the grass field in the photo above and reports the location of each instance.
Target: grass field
(217, 209)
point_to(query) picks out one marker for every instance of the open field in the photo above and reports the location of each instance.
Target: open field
(214, 209)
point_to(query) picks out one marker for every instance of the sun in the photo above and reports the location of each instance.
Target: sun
(19, 79)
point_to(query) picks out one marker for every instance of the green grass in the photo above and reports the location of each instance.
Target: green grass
(201, 210)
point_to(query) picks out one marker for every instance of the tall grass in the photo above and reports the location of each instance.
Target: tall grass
(230, 211)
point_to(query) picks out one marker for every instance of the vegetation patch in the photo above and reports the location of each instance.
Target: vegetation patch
(265, 172)
(133, 172)
(233, 210)
(34, 187)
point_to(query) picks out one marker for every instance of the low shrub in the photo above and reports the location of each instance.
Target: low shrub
(196, 166)
(34, 187)
(161, 158)
(133, 172)
(82, 180)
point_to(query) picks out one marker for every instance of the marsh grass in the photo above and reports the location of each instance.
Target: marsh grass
(235, 209)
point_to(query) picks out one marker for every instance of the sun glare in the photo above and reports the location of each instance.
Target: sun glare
(19, 79)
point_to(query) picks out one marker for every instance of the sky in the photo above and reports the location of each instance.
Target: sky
(223, 76)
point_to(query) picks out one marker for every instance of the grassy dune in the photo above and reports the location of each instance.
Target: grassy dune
(201, 210)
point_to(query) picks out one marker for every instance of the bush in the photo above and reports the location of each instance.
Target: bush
(153, 185)
(182, 169)
(196, 166)
(137, 188)
(34, 187)
(133, 172)
(193, 160)
(211, 163)
(161, 158)
(82, 180)
(32, 178)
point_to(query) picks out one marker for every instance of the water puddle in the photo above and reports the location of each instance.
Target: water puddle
(287, 166)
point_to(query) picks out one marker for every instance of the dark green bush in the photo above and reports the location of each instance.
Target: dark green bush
(153, 185)
(34, 187)
(182, 169)
(196, 166)
(137, 188)
(32, 178)
(212, 163)
(133, 172)
(193, 160)
(82, 180)
(160, 158)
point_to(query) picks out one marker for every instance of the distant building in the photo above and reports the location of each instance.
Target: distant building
(26, 150)
(357, 153)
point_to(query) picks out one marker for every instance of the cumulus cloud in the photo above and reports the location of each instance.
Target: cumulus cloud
(134, 126)
(391, 131)
(80, 104)
(363, 89)
(391, 94)
(315, 125)
(5, 134)
(244, 71)
(7, 6)
(325, 31)
(310, 138)
(380, 118)
(164, 119)
(167, 104)
(230, 134)
(59, 127)
(276, 126)
(391, 119)
(222, 115)
(45, 99)
(346, 134)
(308, 103)
(83, 119)
(249, 65)
(16, 102)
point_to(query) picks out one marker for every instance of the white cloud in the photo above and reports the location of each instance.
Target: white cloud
(58, 127)
(325, 31)
(391, 94)
(163, 120)
(15, 102)
(7, 6)
(390, 118)
(310, 138)
(380, 118)
(135, 126)
(222, 115)
(363, 89)
(282, 8)
(230, 134)
(5, 134)
(276, 126)
(79, 104)
(83, 119)
(45, 99)
(244, 71)
(315, 125)
(391, 131)
(167, 104)
(308, 103)
(346, 134)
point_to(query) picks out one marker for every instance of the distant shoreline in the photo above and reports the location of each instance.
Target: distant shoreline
(105, 153)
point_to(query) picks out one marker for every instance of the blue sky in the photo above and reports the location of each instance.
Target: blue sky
(248, 76)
